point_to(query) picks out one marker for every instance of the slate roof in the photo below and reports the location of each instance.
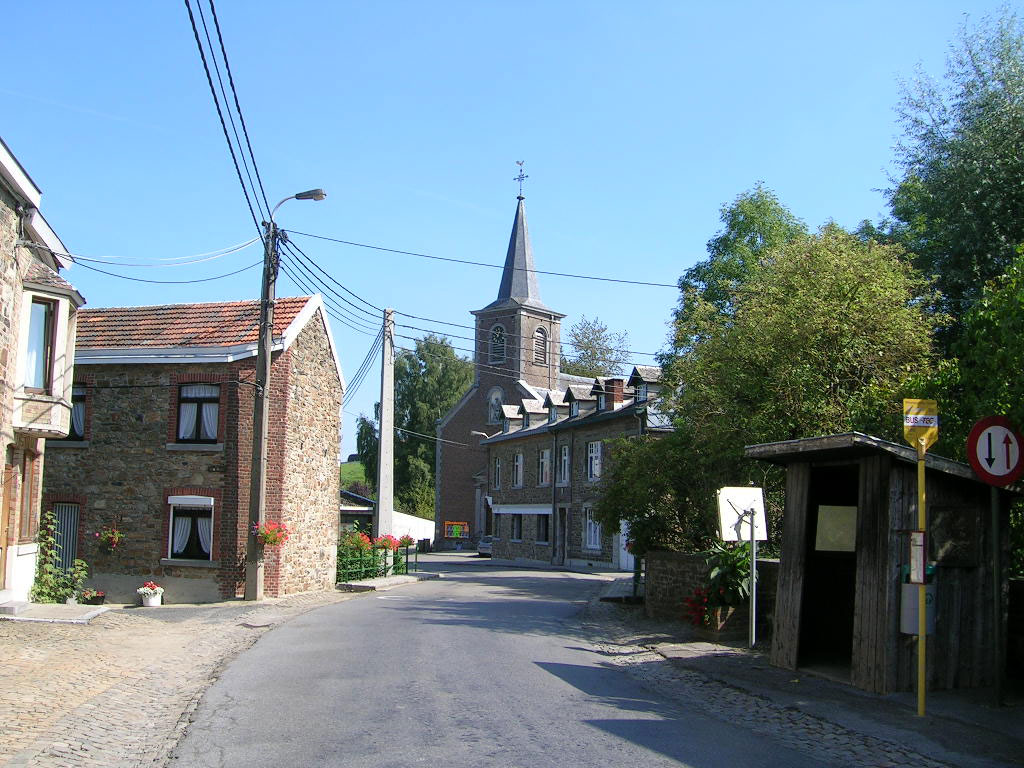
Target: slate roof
(214, 324)
(649, 373)
(579, 392)
(41, 274)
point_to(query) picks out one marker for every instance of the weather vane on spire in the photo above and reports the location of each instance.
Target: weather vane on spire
(521, 177)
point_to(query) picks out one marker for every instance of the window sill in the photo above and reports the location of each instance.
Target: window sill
(516, 540)
(199, 447)
(562, 485)
(542, 543)
(67, 443)
(544, 485)
(182, 563)
(587, 548)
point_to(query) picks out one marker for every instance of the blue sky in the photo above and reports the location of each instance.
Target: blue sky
(637, 122)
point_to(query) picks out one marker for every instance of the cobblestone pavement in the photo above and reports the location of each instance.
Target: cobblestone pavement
(119, 691)
(632, 644)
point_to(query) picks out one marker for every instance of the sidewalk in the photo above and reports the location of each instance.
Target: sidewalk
(825, 717)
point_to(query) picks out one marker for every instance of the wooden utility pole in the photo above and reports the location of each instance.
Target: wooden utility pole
(382, 522)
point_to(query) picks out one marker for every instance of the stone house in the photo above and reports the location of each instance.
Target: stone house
(546, 466)
(161, 447)
(37, 339)
(516, 359)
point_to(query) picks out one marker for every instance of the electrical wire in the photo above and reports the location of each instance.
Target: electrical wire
(485, 264)
(170, 282)
(328, 306)
(321, 269)
(431, 437)
(179, 261)
(220, 115)
(325, 288)
(238, 107)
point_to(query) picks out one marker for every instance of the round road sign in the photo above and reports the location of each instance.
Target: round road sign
(994, 451)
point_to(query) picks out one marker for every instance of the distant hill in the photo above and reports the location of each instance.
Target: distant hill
(351, 472)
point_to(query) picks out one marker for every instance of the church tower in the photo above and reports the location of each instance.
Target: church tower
(516, 357)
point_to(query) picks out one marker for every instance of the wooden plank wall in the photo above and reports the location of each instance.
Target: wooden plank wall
(788, 599)
(873, 592)
(959, 654)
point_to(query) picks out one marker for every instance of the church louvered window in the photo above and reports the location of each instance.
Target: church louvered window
(497, 345)
(540, 347)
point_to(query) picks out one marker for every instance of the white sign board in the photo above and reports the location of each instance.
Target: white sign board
(734, 513)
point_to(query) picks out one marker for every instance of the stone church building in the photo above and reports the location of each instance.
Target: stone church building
(517, 356)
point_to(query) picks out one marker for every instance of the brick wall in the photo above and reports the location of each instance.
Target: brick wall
(670, 577)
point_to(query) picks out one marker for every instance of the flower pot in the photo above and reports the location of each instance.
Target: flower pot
(728, 622)
(98, 600)
(151, 601)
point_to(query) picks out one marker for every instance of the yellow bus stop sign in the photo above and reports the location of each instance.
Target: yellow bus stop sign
(920, 420)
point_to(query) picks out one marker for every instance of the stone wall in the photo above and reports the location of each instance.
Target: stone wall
(670, 577)
(310, 503)
(131, 462)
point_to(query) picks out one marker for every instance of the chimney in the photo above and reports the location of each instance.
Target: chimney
(613, 388)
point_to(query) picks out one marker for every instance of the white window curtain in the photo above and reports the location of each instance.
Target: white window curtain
(201, 390)
(35, 368)
(205, 525)
(182, 530)
(210, 415)
(187, 420)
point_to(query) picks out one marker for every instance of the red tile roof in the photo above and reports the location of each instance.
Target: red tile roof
(217, 324)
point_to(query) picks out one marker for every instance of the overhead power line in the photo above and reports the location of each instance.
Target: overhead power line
(169, 282)
(484, 263)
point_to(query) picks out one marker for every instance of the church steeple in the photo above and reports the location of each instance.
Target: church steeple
(518, 280)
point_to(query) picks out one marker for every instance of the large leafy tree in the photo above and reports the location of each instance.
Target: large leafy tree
(596, 350)
(960, 203)
(429, 380)
(817, 325)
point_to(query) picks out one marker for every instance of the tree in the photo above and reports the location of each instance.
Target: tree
(960, 204)
(599, 352)
(817, 326)
(754, 224)
(428, 382)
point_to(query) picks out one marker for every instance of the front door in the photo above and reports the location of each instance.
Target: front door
(5, 520)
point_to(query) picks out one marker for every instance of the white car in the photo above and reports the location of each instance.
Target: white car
(485, 545)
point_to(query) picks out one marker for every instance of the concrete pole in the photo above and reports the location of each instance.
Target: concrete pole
(260, 419)
(386, 444)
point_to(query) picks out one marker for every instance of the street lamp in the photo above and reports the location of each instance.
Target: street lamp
(260, 412)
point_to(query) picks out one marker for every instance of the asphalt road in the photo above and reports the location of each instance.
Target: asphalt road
(486, 667)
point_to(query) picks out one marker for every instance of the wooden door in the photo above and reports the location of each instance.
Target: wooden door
(5, 520)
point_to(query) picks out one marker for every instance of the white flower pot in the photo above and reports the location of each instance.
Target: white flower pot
(152, 601)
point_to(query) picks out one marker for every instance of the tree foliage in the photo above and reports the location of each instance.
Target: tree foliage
(428, 382)
(817, 324)
(598, 351)
(960, 204)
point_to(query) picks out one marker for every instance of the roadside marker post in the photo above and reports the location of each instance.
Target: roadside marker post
(921, 430)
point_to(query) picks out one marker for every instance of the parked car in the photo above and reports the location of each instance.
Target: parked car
(485, 546)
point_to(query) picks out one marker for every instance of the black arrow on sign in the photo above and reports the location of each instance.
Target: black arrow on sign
(990, 459)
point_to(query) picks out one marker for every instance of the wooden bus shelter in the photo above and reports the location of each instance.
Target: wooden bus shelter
(850, 500)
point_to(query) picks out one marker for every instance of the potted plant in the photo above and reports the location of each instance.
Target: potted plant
(271, 534)
(712, 605)
(151, 594)
(93, 596)
(109, 537)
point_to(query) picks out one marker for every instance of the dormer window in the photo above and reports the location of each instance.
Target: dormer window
(526, 419)
(641, 391)
(574, 408)
(552, 415)
(497, 344)
(540, 347)
(506, 425)
(600, 402)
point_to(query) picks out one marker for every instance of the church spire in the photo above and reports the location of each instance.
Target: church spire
(518, 280)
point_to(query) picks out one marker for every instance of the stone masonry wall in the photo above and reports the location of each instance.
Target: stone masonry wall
(310, 504)
(670, 577)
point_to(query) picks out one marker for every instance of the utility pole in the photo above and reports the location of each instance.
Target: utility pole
(382, 522)
(260, 417)
(260, 409)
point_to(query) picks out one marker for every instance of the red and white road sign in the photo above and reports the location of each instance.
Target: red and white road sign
(994, 451)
